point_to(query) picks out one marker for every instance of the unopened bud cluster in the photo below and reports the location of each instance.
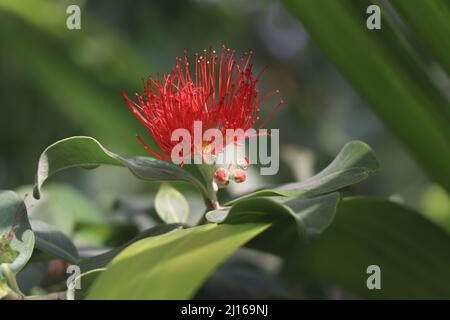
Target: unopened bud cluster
(235, 172)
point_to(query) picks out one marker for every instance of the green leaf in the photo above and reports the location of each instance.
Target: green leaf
(103, 259)
(314, 215)
(412, 253)
(171, 205)
(435, 205)
(386, 71)
(431, 22)
(54, 242)
(7, 254)
(294, 221)
(217, 215)
(171, 266)
(86, 95)
(87, 152)
(14, 218)
(354, 163)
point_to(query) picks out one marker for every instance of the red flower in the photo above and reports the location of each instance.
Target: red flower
(222, 95)
(239, 175)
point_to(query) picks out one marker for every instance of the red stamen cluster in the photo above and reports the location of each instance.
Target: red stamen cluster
(222, 95)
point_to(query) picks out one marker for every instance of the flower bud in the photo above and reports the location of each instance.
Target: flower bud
(239, 175)
(243, 163)
(222, 176)
(10, 235)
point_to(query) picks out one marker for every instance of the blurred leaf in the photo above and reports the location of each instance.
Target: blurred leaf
(71, 91)
(86, 151)
(112, 47)
(70, 68)
(354, 163)
(34, 274)
(172, 265)
(242, 281)
(13, 217)
(101, 261)
(62, 206)
(386, 72)
(412, 253)
(7, 254)
(171, 205)
(431, 21)
(52, 241)
(300, 161)
(3, 288)
(435, 204)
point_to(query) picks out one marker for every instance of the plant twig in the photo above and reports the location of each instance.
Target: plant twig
(61, 295)
(11, 278)
(13, 295)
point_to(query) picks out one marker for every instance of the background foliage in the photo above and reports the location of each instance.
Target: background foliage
(340, 81)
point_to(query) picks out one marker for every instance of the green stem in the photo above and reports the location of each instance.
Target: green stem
(11, 278)
(13, 295)
(210, 196)
(51, 296)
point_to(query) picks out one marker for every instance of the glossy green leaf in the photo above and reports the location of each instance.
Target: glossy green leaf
(384, 69)
(14, 218)
(314, 215)
(294, 221)
(102, 260)
(54, 242)
(354, 163)
(174, 265)
(171, 205)
(218, 215)
(412, 253)
(87, 152)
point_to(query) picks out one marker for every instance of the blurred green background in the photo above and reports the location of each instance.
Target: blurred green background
(55, 83)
